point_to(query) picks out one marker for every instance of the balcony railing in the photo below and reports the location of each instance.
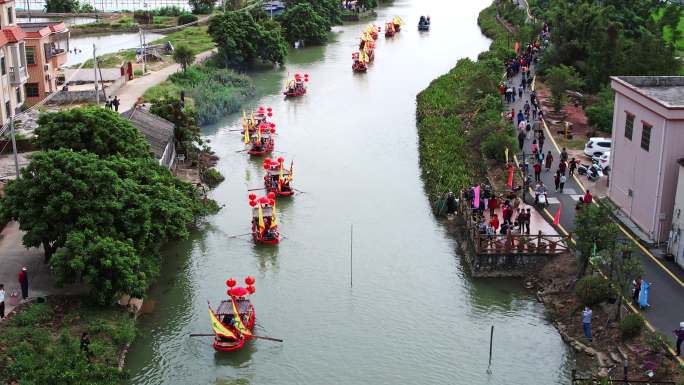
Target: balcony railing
(52, 52)
(18, 75)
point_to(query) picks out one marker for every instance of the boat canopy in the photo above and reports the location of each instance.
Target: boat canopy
(268, 211)
(226, 307)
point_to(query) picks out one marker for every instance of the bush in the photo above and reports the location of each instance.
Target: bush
(592, 290)
(494, 145)
(186, 18)
(631, 326)
(169, 11)
(212, 177)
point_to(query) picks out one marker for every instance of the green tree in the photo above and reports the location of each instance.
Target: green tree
(560, 79)
(600, 113)
(594, 230)
(301, 22)
(622, 267)
(94, 129)
(328, 9)
(63, 6)
(242, 40)
(183, 55)
(201, 6)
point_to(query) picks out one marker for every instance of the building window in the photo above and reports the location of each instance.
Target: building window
(646, 136)
(10, 15)
(629, 124)
(18, 92)
(32, 90)
(8, 109)
(3, 64)
(30, 55)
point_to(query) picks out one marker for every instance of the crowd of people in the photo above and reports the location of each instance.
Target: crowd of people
(486, 206)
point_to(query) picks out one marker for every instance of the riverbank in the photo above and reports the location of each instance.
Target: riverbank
(459, 117)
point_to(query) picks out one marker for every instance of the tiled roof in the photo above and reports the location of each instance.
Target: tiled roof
(38, 30)
(158, 131)
(14, 34)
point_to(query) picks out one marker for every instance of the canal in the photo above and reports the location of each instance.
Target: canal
(413, 316)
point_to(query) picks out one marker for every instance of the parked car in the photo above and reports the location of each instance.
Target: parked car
(597, 146)
(603, 160)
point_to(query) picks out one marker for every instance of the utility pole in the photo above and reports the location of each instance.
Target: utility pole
(14, 145)
(97, 92)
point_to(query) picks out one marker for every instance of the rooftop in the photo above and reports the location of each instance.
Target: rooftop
(157, 131)
(666, 90)
(36, 30)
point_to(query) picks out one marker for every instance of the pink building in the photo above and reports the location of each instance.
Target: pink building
(648, 139)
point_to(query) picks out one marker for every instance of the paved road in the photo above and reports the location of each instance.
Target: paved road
(666, 296)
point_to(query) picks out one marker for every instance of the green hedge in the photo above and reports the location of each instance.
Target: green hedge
(631, 326)
(592, 290)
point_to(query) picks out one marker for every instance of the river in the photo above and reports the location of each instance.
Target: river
(413, 315)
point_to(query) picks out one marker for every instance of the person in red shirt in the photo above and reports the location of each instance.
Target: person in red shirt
(537, 171)
(588, 198)
(23, 282)
(492, 205)
(495, 222)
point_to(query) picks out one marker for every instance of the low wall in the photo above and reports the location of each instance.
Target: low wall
(84, 96)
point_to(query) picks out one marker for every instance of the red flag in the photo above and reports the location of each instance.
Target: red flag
(510, 176)
(556, 218)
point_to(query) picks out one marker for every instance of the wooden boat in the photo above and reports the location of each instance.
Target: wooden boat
(233, 320)
(360, 62)
(278, 178)
(397, 23)
(262, 141)
(296, 87)
(389, 29)
(264, 219)
(424, 23)
(257, 118)
(373, 30)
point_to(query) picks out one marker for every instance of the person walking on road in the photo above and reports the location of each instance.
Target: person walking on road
(521, 139)
(588, 198)
(564, 155)
(556, 180)
(116, 103)
(537, 171)
(563, 179)
(23, 282)
(679, 333)
(636, 289)
(548, 160)
(643, 294)
(572, 167)
(586, 322)
(562, 166)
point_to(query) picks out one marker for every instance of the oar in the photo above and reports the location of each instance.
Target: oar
(240, 235)
(257, 189)
(242, 150)
(259, 337)
(300, 191)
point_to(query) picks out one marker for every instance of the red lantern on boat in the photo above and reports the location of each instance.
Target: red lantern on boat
(251, 289)
(269, 109)
(252, 203)
(272, 125)
(270, 114)
(271, 202)
(267, 160)
(238, 291)
(266, 166)
(281, 159)
(252, 197)
(272, 130)
(231, 282)
(249, 280)
(271, 195)
(263, 200)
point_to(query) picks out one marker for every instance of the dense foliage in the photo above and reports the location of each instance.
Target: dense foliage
(186, 18)
(93, 129)
(40, 344)
(242, 40)
(631, 326)
(459, 117)
(594, 230)
(559, 79)
(100, 215)
(611, 37)
(201, 6)
(592, 290)
(183, 55)
(301, 22)
(65, 6)
(600, 112)
(330, 10)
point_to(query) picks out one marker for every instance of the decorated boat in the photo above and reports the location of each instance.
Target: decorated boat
(373, 31)
(233, 320)
(360, 62)
(397, 23)
(424, 23)
(369, 49)
(296, 86)
(278, 178)
(261, 142)
(389, 29)
(257, 118)
(264, 219)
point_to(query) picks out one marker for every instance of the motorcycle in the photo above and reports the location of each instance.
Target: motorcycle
(593, 171)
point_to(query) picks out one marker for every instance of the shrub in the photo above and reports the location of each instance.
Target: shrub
(169, 11)
(35, 314)
(186, 18)
(631, 326)
(496, 142)
(592, 290)
(212, 177)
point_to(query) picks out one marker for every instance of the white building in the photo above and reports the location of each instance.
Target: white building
(676, 239)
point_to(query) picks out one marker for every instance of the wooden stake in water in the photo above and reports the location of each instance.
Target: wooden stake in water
(491, 341)
(351, 256)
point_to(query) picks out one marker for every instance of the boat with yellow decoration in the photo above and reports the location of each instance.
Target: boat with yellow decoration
(264, 219)
(278, 178)
(233, 320)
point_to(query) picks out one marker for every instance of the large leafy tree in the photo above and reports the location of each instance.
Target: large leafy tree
(242, 40)
(104, 218)
(97, 130)
(183, 55)
(301, 22)
(201, 6)
(328, 9)
(595, 231)
(560, 79)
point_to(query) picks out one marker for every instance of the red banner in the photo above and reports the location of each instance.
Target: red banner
(556, 218)
(510, 176)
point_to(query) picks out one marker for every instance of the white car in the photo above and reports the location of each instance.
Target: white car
(603, 160)
(597, 146)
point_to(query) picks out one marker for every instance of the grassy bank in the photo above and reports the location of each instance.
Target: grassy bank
(195, 38)
(40, 343)
(459, 117)
(214, 92)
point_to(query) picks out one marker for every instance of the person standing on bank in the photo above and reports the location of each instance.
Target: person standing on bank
(116, 103)
(636, 290)
(679, 333)
(23, 282)
(586, 322)
(2, 301)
